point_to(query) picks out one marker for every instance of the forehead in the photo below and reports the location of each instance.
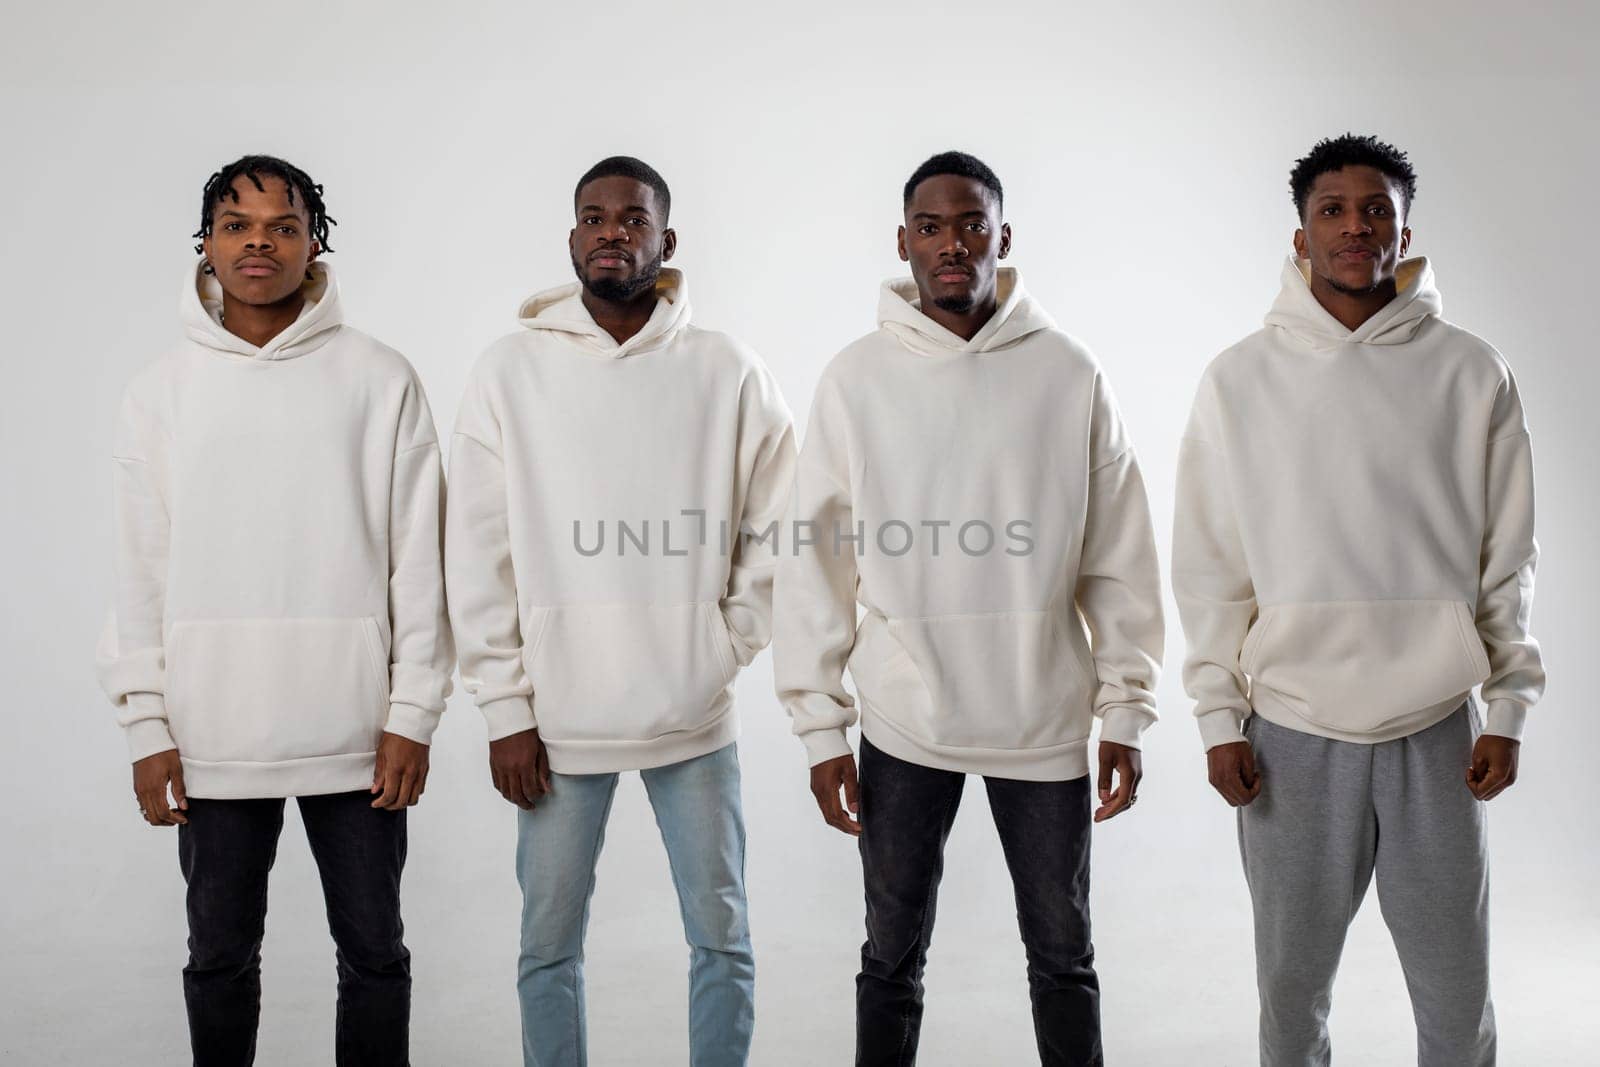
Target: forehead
(1355, 181)
(616, 192)
(951, 194)
(271, 199)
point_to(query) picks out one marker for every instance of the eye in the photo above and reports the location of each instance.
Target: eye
(978, 227)
(232, 227)
(287, 231)
(1331, 209)
(635, 220)
(1379, 209)
(591, 220)
(927, 229)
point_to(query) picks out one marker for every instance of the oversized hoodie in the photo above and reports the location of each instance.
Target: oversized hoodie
(279, 584)
(599, 587)
(1353, 543)
(980, 500)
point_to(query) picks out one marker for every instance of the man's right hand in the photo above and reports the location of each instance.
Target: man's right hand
(827, 779)
(151, 777)
(1233, 772)
(520, 768)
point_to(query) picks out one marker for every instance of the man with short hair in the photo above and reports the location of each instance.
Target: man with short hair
(966, 478)
(1353, 552)
(279, 624)
(608, 459)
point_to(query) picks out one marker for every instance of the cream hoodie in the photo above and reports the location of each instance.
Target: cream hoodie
(1353, 543)
(981, 501)
(280, 596)
(597, 587)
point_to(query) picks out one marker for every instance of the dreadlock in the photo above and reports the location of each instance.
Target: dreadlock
(219, 187)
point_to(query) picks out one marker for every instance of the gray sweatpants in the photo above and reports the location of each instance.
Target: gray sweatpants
(1331, 813)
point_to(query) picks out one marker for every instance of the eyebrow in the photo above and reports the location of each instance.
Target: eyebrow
(276, 218)
(587, 208)
(959, 215)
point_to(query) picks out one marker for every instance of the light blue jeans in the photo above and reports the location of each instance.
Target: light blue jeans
(558, 843)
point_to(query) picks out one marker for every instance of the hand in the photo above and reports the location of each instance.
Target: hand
(151, 776)
(1233, 772)
(1494, 766)
(401, 772)
(827, 778)
(1130, 770)
(520, 767)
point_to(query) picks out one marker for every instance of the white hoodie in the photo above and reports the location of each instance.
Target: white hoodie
(280, 593)
(623, 658)
(981, 500)
(1353, 543)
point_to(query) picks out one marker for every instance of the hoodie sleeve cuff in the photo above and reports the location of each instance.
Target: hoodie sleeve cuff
(1125, 725)
(146, 737)
(411, 722)
(824, 745)
(1505, 719)
(508, 715)
(1221, 726)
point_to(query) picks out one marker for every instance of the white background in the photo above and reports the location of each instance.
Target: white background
(1145, 156)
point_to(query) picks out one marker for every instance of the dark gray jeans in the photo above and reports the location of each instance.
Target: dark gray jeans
(226, 852)
(906, 814)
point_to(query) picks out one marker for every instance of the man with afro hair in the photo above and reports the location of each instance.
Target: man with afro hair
(1353, 553)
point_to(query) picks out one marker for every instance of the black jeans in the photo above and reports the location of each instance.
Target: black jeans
(225, 851)
(906, 814)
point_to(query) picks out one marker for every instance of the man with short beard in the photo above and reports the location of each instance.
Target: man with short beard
(968, 411)
(609, 410)
(1353, 552)
(279, 626)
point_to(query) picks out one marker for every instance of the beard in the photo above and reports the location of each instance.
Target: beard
(956, 305)
(1353, 290)
(620, 290)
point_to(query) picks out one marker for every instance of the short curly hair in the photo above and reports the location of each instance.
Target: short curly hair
(959, 164)
(1351, 150)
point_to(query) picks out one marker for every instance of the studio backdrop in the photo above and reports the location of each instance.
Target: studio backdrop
(1145, 152)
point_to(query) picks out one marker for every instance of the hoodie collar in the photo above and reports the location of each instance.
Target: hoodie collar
(1299, 313)
(200, 307)
(1016, 315)
(561, 311)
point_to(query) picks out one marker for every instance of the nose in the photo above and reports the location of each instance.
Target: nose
(1355, 224)
(954, 247)
(259, 242)
(613, 232)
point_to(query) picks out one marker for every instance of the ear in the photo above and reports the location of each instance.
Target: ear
(316, 250)
(1005, 239)
(572, 242)
(900, 245)
(1405, 239)
(205, 247)
(669, 243)
(1301, 250)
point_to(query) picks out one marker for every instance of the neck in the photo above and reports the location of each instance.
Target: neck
(964, 324)
(260, 323)
(1352, 308)
(621, 319)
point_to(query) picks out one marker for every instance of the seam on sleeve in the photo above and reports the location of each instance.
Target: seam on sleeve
(1508, 437)
(1113, 460)
(495, 452)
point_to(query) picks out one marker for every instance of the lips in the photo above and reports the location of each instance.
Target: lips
(610, 254)
(952, 274)
(1356, 252)
(256, 267)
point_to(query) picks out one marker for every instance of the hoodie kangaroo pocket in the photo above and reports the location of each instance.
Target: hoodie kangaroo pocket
(1005, 681)
(268, 690)
(612, 672)
(1357, 666)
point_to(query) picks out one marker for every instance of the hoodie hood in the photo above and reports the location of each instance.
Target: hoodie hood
(201, 309)
(561, 310)
(1298, 312)
(1016, 315)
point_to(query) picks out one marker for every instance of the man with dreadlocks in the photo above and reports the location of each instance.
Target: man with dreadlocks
(1353, 552)
(279, 626)
(608, 406)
